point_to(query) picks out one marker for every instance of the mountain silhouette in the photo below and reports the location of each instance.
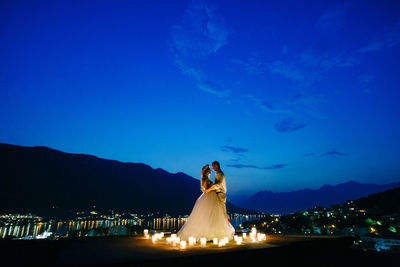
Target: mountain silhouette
(40, 179)
(287, 202)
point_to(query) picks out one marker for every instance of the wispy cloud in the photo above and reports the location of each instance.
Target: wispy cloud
(200, 34)
(267, 106)
(328, 153)
(233, 149)
(288, 125)
(287, 70)
(304, 69)
(389, 39)
(253, 64)
(366, 78)
(309, 66)
(333, 153)
(276, 166)
(333, 18)
(365, 81)
(213, 88)
(272, 167)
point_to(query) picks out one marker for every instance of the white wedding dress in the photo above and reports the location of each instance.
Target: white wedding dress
(207, 219)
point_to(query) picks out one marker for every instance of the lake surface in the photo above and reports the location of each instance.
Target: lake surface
(100, 227)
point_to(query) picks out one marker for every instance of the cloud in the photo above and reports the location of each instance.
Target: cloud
(389, 39)
(333, 18)
(276, 166)
(200, 34)
(233, 149)
(328, 153)
(252, 65)
(374, 46)
(213, 88)
(365, 80)
(288, 125)
(240, 166)
(310, 65)
(287, 70)
(304, 70)
(333, 153)
(272, 167)
(267, 106)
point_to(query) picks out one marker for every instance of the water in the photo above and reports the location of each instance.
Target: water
(101, 227)
(62, 228)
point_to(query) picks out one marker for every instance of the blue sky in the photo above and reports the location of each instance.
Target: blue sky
(285, 94)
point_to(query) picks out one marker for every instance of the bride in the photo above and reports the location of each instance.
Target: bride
(207, 218)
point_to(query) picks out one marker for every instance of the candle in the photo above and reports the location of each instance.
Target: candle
(259, 237)
(238, 240)
(253, 233)
(235, 237)
(154, 238)
(203, 242)
(161, 234)
(264, 237)
(168, 240)
(192, 241)
(183, 244)
(215, 240)
(244, 235)
(145, 232)
(221, 243)
(174, 239)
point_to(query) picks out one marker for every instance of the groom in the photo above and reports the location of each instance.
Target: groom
(219, 185)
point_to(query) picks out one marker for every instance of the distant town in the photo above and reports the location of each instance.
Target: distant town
(370, 230)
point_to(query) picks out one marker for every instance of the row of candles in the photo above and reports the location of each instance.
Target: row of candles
(174, 240)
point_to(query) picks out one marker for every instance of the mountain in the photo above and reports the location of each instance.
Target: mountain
(287, 202)
(36, 179)
(385, 203)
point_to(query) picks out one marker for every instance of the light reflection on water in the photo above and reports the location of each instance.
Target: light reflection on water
(102, 227)
(76, 228)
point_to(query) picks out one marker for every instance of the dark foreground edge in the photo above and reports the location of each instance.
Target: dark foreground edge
(115, 251)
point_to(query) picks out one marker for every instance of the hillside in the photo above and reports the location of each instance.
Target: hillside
(34, 179)
(286, 202)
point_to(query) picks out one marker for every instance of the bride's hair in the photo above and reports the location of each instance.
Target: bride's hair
(205, 182)
(205, 171)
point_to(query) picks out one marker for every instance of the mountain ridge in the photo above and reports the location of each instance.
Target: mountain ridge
(296, 200)
(36, 178)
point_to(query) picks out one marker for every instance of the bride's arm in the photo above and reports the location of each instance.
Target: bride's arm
(203, 185)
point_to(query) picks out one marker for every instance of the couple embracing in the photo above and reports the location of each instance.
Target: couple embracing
(208, 217)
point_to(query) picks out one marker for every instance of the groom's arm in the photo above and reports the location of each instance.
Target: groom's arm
(216, 186)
